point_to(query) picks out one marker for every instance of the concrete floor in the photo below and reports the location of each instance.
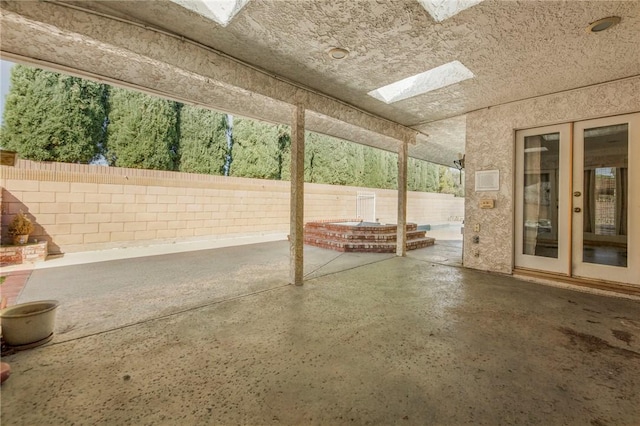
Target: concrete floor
(217, 337)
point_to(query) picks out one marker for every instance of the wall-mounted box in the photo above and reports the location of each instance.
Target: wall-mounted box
(488, 180)
(487, 203)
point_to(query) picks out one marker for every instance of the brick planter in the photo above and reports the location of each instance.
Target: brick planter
(28, 253)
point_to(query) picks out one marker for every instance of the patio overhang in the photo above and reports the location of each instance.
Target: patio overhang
(129, 55)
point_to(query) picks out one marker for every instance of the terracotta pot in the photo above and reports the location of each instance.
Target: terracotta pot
(20, 240)
(28, 323)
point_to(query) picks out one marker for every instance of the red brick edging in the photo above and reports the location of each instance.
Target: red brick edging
(13, 285)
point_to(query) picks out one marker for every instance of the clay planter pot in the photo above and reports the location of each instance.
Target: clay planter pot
(28, 323)
(20, 240)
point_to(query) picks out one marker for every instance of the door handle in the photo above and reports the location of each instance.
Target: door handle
(577, 209)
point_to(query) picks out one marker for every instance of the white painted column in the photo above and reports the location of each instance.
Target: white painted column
(403, 154)
(296, 218)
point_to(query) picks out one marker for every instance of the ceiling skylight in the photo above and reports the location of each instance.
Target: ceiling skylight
(436, 78)
(220, 11)
(445, 9)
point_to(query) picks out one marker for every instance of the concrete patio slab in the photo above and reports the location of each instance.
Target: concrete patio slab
(398, 341)
(101, 296)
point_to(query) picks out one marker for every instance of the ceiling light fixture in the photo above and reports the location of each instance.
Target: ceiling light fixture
(436, 78)
(445, 9)
(338, 53)
(603, 24)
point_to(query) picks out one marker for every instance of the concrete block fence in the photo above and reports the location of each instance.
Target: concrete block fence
(85, 207)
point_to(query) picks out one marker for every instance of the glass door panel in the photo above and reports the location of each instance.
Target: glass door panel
(540, 212)
(542, 203)
(606, 214)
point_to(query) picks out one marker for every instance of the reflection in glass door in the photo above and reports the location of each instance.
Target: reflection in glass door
(542, 203)
(540, 213)
(577, 206)
(605, 232)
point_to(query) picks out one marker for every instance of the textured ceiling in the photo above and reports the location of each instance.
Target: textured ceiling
(516, 49)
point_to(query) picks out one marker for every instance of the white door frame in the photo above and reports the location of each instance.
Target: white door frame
(631, 273)
(570, 222)
(560, 264)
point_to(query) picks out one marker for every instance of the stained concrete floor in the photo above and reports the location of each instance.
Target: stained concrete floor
(217, 337)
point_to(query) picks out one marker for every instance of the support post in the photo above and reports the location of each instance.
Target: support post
(296, 218)
(403, 154)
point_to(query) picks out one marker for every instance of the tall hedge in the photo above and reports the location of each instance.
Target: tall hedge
(54, 117)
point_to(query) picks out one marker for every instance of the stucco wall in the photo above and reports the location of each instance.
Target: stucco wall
(490, 145)
(80, 207)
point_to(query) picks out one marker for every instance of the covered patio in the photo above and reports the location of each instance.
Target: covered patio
(228, 336)
(218, 337)
(440, 81)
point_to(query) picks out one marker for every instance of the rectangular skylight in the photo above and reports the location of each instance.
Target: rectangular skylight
(445, 9)
(436, 78)
(220, 11)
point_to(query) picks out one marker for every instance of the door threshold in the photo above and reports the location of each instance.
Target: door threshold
(609, 287)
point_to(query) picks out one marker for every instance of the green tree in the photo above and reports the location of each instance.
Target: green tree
(332, 161)
(256, 149)
(230, 139)
(54, 117)
(284, 153)
(142, 131)
(449, 184)
(391, 160)
(203, 143)
(375, 168)
(422, 176)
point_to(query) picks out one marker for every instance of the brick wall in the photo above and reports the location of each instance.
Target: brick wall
(85, 207)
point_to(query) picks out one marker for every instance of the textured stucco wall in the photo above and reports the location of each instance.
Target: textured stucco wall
(81, 207)
(490, 145)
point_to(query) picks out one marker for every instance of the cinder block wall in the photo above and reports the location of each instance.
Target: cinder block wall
(84, 207)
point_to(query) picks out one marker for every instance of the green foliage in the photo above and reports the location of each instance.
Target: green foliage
(448, 183)
(422, 176)
(284, 153)
(256, 149)
(332, 161)
(375, 168)
(54, 117)
(203, 144)
(142, 131)
(392, 170)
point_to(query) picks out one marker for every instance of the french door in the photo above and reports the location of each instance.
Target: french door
(578, 199)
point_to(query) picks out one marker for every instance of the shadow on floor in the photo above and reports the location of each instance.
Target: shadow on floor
(218, 337)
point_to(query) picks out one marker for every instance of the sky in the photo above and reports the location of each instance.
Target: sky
(5, 73)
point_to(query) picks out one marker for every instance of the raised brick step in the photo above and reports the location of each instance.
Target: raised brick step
(420, 243)
(368, 246)
(337, 227)
(359, 235)
(362, 237)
